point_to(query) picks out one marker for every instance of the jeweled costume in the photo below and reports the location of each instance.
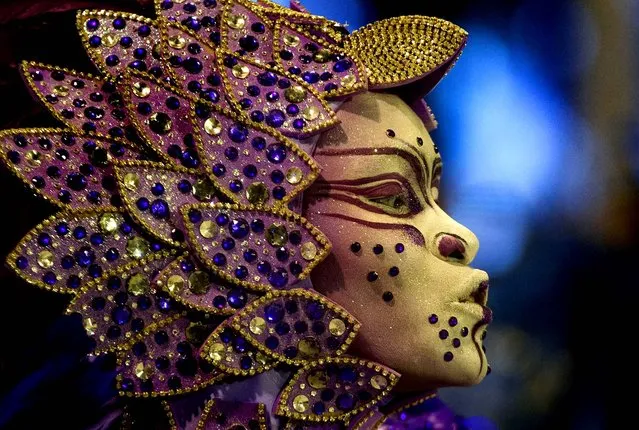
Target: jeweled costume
(179, 174)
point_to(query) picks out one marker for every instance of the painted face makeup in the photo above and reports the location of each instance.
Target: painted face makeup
(399, 264)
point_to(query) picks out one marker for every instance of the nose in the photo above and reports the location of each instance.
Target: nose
(454, 242)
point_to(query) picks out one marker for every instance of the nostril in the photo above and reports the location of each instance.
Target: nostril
(451, 247)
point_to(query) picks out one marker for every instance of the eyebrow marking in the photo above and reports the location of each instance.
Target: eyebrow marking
(415, 235)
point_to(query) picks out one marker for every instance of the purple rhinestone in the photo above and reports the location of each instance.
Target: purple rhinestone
(318, 327)
(235, 186)
(272, 342)
(126, 42)
(237, 298)
(166, 4)
(142, 203)
(214, 79)
(250, 255)
(253, 90)
(231, 153)
(279, 193)
(249, 43)
(219, 170)
(93, 24)
(121, 315)
(299, 124)
(37, 76)
(267, 79)
(257, 116)
(38, 181)
(452, 321)
(311, 77)
(144, 31)
(294, 70)
(228, 244)
(49, 278)
(283, 83)
(326, 76)
(230, 61)
(276, 153)
(246, 103)
(95, 41)
(342, 66)
(250, 171)
(286, 55)
(305, 59)
(330, 87)
(192, 65)
(281, 254)
(219, 302)
(14, 157)
(274, 313)
(290, 352)
(264, 267)
(456, 343)
(76, 181)
(184, 186)
(239, 228)
(189, 8)
(393, 271)
(22, 262)
(399, 248)
(277, 176)
(73, 282)
(464, 331)
(259, 143)
(238, 133)
(272, 96)
(160, 209)
(119, 23)
(372, 276)
(282, 328)
(292, 110)
(51, 98)
(278, 278)
(174, 382)
(219, 259)
(315, 310)
(241, 272)
(112, 60)
(193, 23)
(79, 233)
(257, 225)
(210, 94)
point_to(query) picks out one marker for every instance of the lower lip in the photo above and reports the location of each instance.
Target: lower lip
(484, 313)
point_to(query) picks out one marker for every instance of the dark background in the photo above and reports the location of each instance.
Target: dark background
(539, 135)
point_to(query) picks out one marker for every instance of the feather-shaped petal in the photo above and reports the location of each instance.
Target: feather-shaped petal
(68, 250)
(241, 415)
(83, 102)
(231, 353)
(165, 360)
(116, 309)
(252, 164)
(154, 192)
(347, 386)
(119, 41)
(253, 248)
(296, 326)
(246, 31)
(68, 169)
(282, 100)
(331, 70)
(193, 285)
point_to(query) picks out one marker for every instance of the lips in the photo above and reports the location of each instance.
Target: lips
(477, 299)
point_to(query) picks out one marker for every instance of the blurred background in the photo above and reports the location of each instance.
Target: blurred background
(539, 133)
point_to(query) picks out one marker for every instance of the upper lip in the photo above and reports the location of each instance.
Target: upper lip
(478, 295)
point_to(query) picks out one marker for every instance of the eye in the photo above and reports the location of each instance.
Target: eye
(435, 182)
(397, 202)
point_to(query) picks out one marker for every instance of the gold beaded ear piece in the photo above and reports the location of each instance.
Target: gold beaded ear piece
(398, 51)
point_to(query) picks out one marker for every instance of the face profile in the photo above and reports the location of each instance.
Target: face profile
(399, 263)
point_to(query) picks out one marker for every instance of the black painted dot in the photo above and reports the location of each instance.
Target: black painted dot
(356, 247)
(378, 249)
(390, 133)
(464, 331)
(448, 356)
(387, 296)
(456, 343)
(452, 321)
(443, 334)
(393, 271)
(372, 276)
(420, 141)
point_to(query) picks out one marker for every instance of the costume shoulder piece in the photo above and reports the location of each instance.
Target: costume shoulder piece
(177, 170)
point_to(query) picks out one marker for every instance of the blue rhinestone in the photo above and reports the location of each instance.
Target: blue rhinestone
(219, 302)
(44, 239)
(93, 24)
(161, 337)
(295, 237)
(49, 278)
(142, 203)
(267, 79)
(138, 65)
(277, 176)
(76, 181)
(184, 186)
(274, 313)
(20, 141)
(192, 65)
(305, 59)
(140, 53)
(235, 186)
(175, 61)
(241, 272)
(315, 310)
(272, 96)
(278, 278)
(250, 255)
(286, 55)
(121, 298)
(96, 239)
(279, 193)
(98, 303)
(22, 262)
(14, 157)
(187, 266)
(219, 170)
(240, 344)
(193, 23)
(272, 342)
(258, 27)
(299, 124)
(64, 196)
(79, 103)
(246, 103)
(139, 349)
(121, 315)
(257, 116)
(144, 303)
(74, 282)
(342, 65)
(210, 3)
(282, 328)
(249, 43)
(162, 363)
(239, 228)
(283, 83)
(189, 8)
(264, 267)
(311, 47)
(144, 30)
(326, 76)
(194, 86)
(155, 246)
(291, 306)
(295, 268)
(275, 118)
(250, 171)
(195, 215)
(37, 76)
(163, 303)
(85, 256)
(211, 95)
(230, 61)
(174, 382)
(156, 71)
(202, 110)
(227, 335)
(281, 254)
(333, 342)
(126, 42)
(127, 384)
(166, 4)
(160, 209)
(300, 327)
(238, 133)
(257, 225)
(292, 110)
(208, 21)
(96, 97)
(319, 408)
(183, 348)
(222, 219)
(330, 87)
(119, 23)
(231, 153)
(112, 254)
(214, 79)
(174, 151)
(219, 259)
(94, 113)
(237, 298)
(311, 77)
(276, 153)
(290, 352)
(259, 143)
(114, 283)
(94, 197)
(144, 108)
(95, 41)
(318, 327)
(125, 228)
(62, 154)
(228, 244)
(157, 189)
(345, 402)
(327, 394)
(253, 90)
(68, 114)
(186, 366)
(113, 332)
(112, 60)
(294, 70)
(79, 233)
(38, 181)
(51, 98)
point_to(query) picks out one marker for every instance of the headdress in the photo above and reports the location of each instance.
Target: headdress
(178, 173)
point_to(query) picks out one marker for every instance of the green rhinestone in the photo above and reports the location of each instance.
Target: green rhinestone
(137, 247)
(204, 190)
(276, 235)
(257, 193)
(138, 284)
(199, 283)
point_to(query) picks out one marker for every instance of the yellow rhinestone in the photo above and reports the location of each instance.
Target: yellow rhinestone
(45, 259)
(308, 348)
(90, 326)
(240, 71)
(144, 371)
(110, 39)
(141, 89)
(261, 358)
(108, 223)
(309, 251)
(61, 91)
(317, 379)
(175, 283)
(379, 382)
(257, 325)
(203, 190)
(160, 123)
(257, 193)
(138, 284)
(212, 126)
(295, 94)
(33, 157)
(277, 235)
(294, 175)
(348, 81)
(236, 21)
(199, 283)
(137, 247)
(310, 113)
(216, 352)
(131, 181)
(322, 56)
(291, 40)
(300, 403)
(336, 327)
(196, 333)
(208, 229)
(177, 42)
